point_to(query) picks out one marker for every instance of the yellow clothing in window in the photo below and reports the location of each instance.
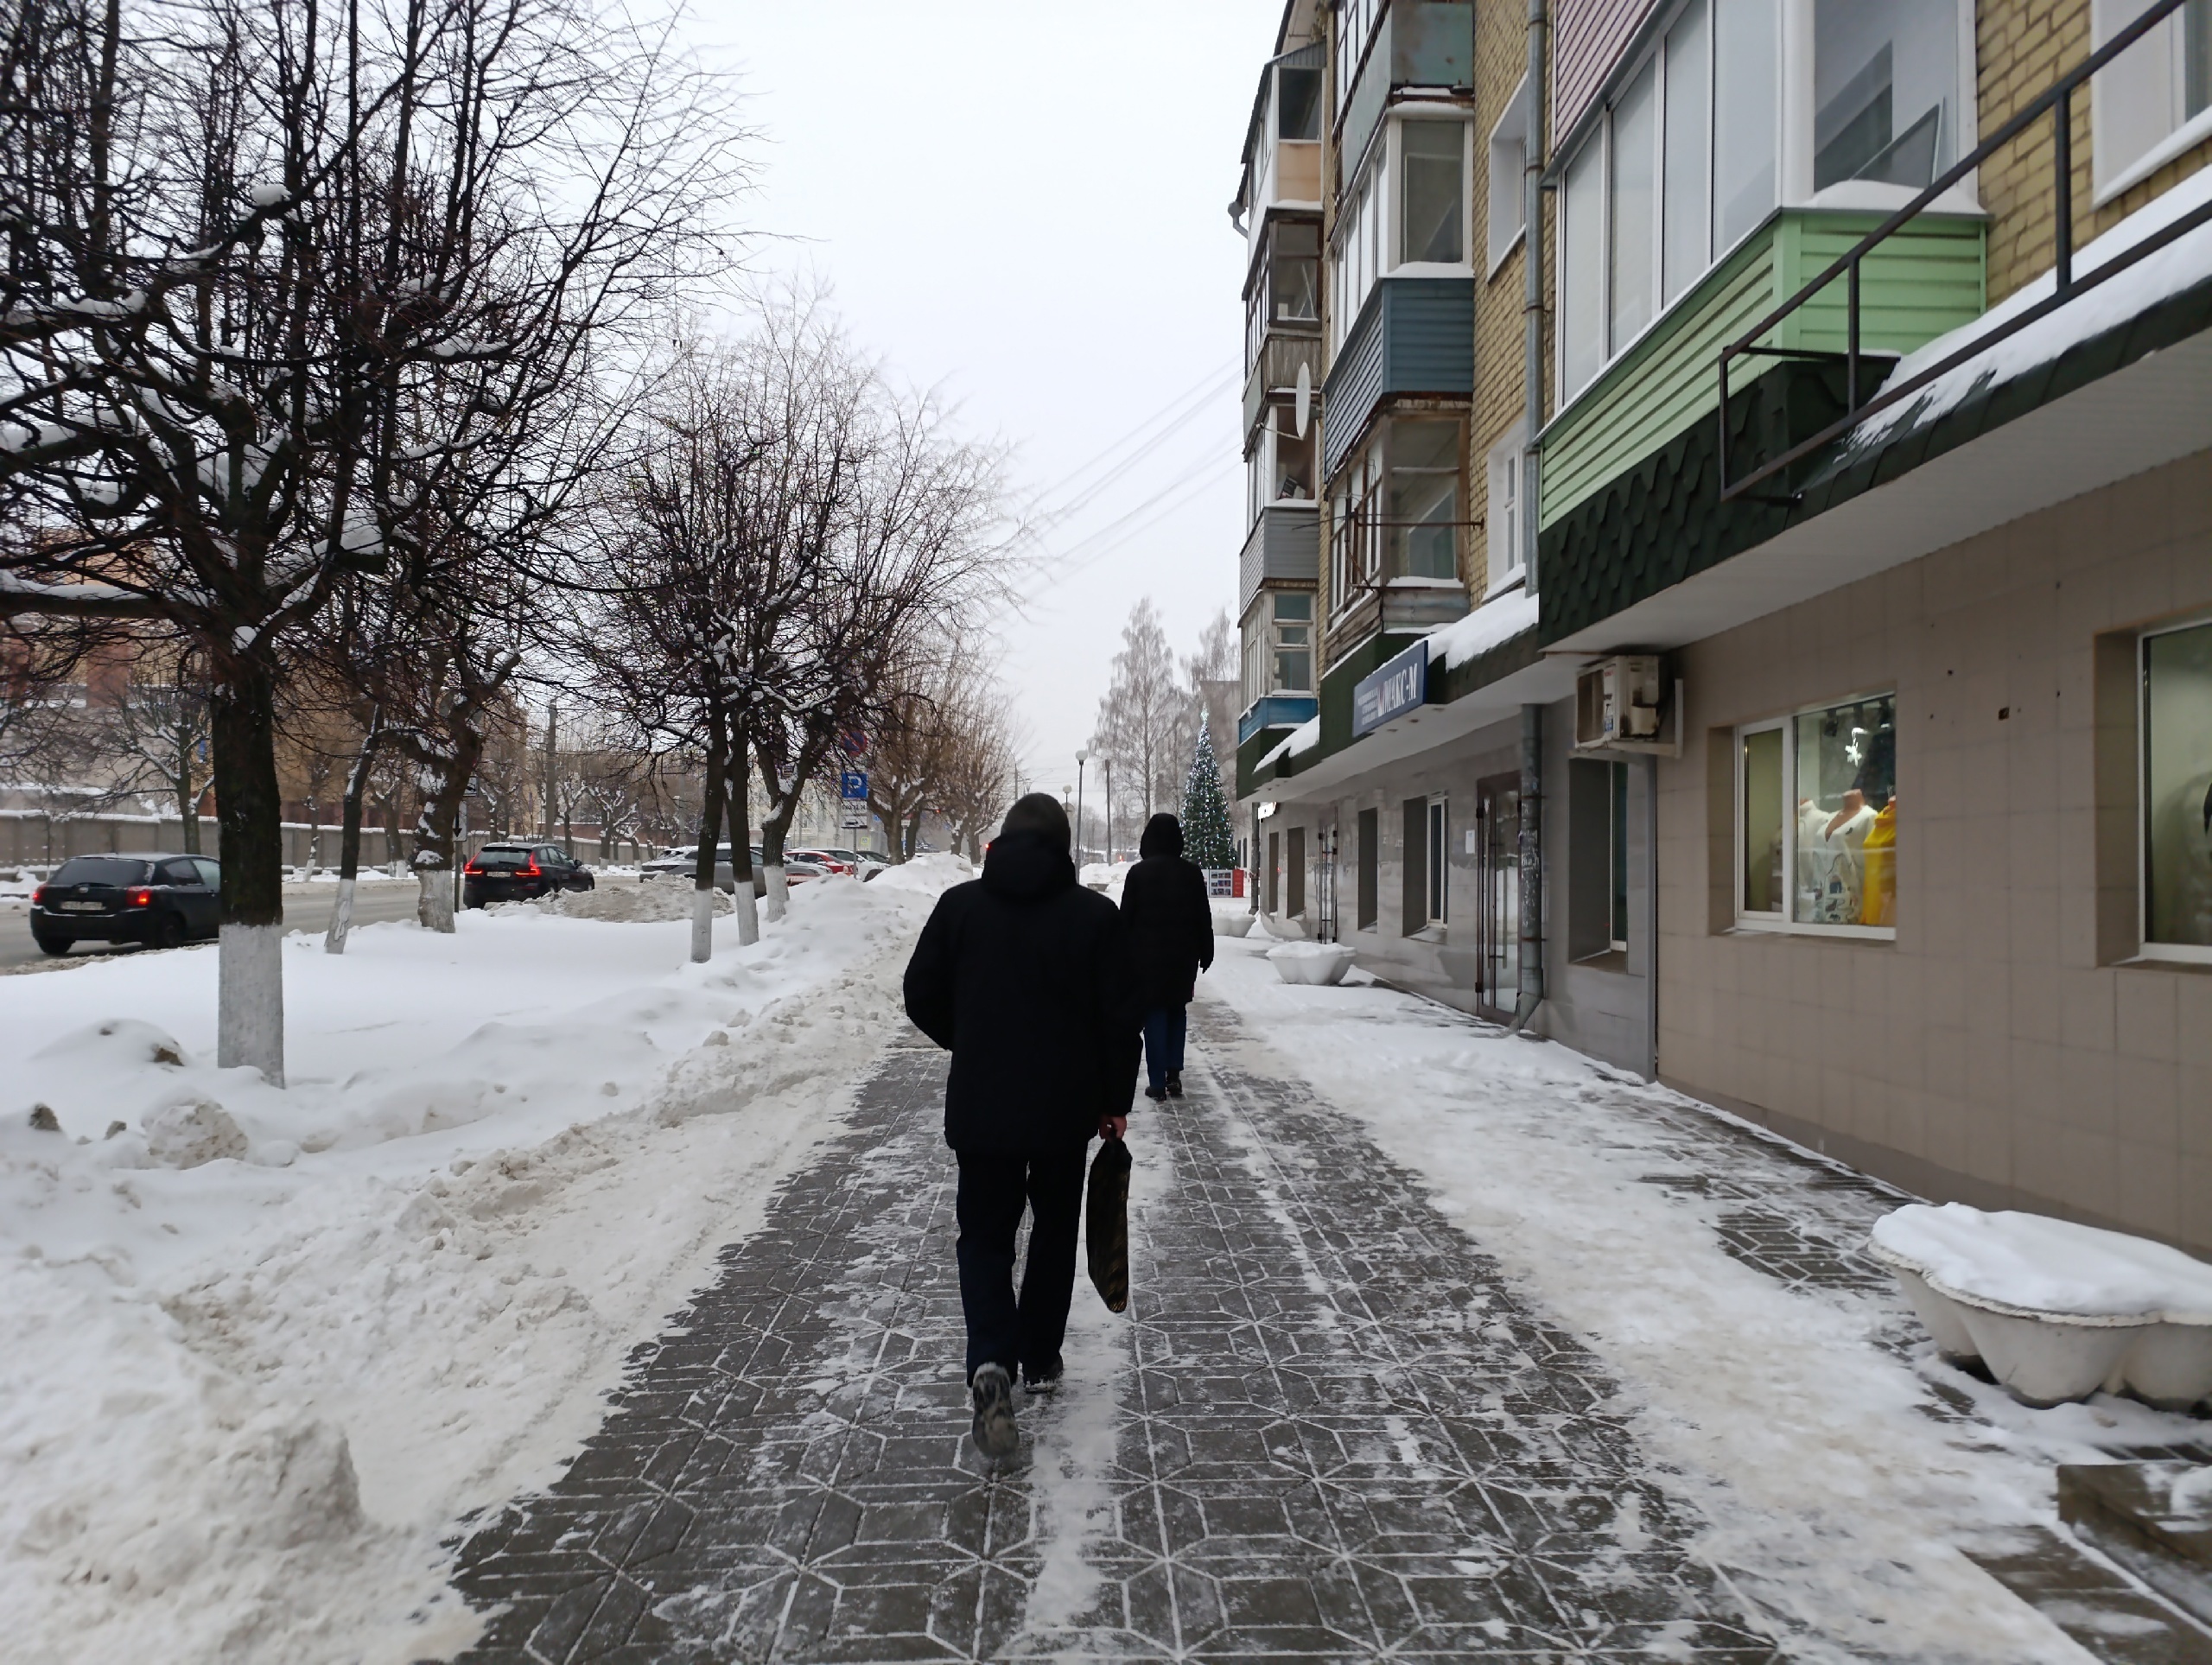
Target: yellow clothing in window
(1878, 899)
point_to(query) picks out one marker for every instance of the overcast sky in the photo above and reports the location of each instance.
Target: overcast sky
(1024, 203)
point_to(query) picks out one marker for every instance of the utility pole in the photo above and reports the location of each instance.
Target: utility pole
(552, 741)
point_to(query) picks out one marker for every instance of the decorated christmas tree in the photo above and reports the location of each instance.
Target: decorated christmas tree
(1207, 839)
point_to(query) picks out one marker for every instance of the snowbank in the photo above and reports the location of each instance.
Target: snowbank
(1837, 1503)
(260, 1349)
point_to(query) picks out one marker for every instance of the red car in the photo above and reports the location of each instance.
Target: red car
(825, 860)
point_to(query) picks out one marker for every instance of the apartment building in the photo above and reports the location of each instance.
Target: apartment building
(1839, 747)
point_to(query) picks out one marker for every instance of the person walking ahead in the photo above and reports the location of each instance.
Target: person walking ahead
(1170, 925)
(1020, 976)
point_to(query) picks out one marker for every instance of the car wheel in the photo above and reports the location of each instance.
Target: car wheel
(50, 944)
(168, 932)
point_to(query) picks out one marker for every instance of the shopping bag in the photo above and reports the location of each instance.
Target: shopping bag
(1106, 1224)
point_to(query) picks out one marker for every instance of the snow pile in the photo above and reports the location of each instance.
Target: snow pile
(261, 1349)
(1491, 625)
(2181, 264)
(1837, 1503)
(2031, 1263)
(631, 904)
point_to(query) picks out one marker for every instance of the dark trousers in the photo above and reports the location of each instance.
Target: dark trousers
(1164, 1029)
(1024, 1334)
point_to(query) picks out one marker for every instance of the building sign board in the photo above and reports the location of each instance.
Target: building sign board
(1390, 691)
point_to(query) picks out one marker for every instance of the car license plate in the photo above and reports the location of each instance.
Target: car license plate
(86, 907)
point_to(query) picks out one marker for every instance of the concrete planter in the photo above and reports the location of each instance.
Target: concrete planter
(1232, 922)
(1310, 963)
(2055, 1311)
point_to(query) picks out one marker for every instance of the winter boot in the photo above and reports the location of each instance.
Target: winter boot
(993, 1429)
(1037, 1383)
(1157, 1095)
(1175, 1084)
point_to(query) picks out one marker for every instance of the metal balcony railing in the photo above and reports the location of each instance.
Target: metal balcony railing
(2056, 102)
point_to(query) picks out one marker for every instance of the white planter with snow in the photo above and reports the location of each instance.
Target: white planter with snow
(1232, 922)
(1310, 963)
(2055, 1311)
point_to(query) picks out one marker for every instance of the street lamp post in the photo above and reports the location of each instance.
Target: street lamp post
(1081, 758)
(1107, 764)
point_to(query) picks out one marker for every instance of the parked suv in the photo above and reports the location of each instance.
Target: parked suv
(520, 873)
(159, 901)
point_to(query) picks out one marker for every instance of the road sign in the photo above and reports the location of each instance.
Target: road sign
(855, 817)
(853, 784)
(856, 743)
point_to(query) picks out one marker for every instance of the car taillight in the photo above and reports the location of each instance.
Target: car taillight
(530, 871)
(38, 897)
(474, 867)
(141, 899)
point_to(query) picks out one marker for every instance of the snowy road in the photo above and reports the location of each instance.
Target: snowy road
(307, 908)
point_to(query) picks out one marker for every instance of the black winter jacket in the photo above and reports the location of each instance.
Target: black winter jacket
(1170, 925)
(1020, 976)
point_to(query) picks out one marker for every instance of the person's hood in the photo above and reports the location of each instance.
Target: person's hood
(1163, 835)
(1027, 867)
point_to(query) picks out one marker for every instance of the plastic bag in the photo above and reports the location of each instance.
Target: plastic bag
(1106, 1224)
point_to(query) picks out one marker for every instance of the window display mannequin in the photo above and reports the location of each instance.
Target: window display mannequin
(1830, 876)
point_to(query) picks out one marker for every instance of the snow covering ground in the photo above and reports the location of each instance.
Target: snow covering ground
(1836, 1503)
(261, 1349)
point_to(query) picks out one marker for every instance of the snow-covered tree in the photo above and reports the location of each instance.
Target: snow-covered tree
(1141, 719)
(1208, 838)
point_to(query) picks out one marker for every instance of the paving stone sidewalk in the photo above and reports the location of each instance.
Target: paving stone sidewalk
(1334, 1435)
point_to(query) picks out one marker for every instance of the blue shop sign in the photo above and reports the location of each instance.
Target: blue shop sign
(1390, 692)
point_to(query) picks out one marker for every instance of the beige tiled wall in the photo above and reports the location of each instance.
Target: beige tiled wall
(1991, 1053)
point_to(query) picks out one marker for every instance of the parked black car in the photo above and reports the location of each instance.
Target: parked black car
(520, 873)
(159, 901)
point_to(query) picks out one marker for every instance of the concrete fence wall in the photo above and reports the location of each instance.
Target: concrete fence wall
(29, 838)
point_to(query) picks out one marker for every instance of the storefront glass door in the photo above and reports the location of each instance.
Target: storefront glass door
(1497, 852)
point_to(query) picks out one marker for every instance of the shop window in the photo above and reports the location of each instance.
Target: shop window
(2177, 807)
(2155, 99)
(1817, 819)
(1424, 508)
(1509, 163)
(1617, 795)
(1597, 858)
(1433, 215)
(1370, 867)
(1275, 870)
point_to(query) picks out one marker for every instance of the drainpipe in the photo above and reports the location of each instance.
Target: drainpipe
(1652, 910)
(1532, 867)
(1532, 301)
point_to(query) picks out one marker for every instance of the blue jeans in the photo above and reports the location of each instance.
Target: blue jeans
(1164, 1029)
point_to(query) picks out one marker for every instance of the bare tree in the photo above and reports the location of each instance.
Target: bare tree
(1143, 716)
(242, 234)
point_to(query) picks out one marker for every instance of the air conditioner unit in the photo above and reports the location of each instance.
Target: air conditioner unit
(1619, 701)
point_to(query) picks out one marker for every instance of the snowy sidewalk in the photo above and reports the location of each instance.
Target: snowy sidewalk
(1326, 1431)
(1345, 1417)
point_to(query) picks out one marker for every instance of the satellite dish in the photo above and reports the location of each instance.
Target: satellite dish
(1304, 406)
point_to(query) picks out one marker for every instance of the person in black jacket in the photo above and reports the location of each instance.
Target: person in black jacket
(1020, 976)
(1170, 925)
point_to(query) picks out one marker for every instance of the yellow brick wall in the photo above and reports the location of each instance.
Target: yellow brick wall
(2021, 47)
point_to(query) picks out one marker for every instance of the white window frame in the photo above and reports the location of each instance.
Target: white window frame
(2106, 18)
(1365, 243)
(1272, 653)
(2172, 953)
(1781, 922)
(1505, 469)
(1509, 163)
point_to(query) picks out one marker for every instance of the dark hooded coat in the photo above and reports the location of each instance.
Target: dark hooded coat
(1167, 917)
(1021, 974)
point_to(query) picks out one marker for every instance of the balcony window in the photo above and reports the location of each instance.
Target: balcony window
(1293, 669)
(1424, 518)
(1885, 90)
(1279, 468)
(1298, 105)
(1355, 530)
(2155, 99)
(1685, 161)
(1356, 20)
(1433, 216)
(1286, 286)
(1428, 159)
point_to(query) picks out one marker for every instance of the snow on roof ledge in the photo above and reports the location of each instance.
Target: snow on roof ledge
(1490, 625)
(2180, 265)
(1304, 738)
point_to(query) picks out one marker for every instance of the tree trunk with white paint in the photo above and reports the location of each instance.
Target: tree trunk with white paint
(349, 843)
(779, 890)
(737, 792)
(249, 975)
